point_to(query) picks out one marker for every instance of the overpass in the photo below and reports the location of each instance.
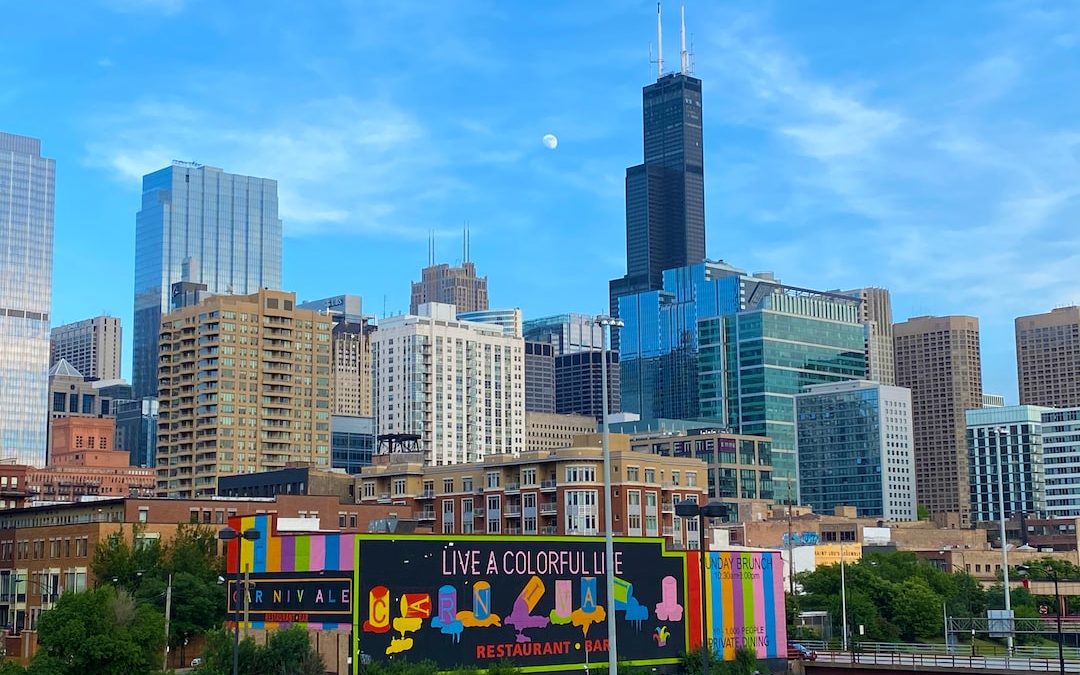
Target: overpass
(847, 663)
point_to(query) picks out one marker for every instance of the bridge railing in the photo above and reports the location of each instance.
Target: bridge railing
(910, 661)
(960, 649)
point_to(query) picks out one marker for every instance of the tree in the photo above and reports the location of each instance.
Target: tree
(287, 652)
(918, 612)
(922, 513)
(143, 568)
(102, 631)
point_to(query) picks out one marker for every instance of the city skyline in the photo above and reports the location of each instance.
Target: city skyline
(849, 156)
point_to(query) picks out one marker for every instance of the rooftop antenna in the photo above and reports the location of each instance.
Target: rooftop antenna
(684, 66)
(659, 44)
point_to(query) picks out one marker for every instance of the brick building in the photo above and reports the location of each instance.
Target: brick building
(83, 463)
(46, 551)
(547, 492)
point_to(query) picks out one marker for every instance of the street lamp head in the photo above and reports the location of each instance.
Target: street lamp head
(251, 534)
(687, 509)
(611, 321)
(227, 534)
(715, 510)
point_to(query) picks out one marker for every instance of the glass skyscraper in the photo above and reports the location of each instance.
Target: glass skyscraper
(202, 225)
(658, 348)
(27, 182)
(856, 449)
(665, 195)
(717, 344)
(752, 364)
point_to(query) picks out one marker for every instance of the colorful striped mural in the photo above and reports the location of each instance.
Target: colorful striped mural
(310, 579)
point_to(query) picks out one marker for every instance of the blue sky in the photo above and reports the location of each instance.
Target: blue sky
(932, 148)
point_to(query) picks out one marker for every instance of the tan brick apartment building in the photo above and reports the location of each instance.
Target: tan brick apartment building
(244, 386)
(937, 358)
(1048, 358)
(547, 492)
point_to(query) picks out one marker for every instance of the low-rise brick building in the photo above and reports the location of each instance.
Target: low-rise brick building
(548, 492)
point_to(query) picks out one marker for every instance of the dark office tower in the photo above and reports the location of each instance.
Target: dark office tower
(665, 196)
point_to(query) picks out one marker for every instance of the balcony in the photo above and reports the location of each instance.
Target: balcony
(513, 487)
(427, 494)
(667, 507)
(479, 513)
(548, 485)
(513, 530)
(549, 508)
(549, 530)
(668, 531)
(513, 511)
(426, 515)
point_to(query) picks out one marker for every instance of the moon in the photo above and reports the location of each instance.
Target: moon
(550, 141)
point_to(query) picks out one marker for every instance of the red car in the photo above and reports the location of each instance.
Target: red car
(797, 652)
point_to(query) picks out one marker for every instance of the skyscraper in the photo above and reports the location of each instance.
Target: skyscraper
(213, 431)
(875, 313)
(665, 195)
(1048, 358)
(201, 225)
(351, 386)
(937, 358)
(577, 343)
(91, 346)
(1016, 434)
(457, 286)
(27, 182)
(855, 448)
(457, 384)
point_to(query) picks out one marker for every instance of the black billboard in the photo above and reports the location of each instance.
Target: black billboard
(536, 602)
(294, 597)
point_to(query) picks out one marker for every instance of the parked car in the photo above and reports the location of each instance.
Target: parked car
(196, 662)
(798, 652)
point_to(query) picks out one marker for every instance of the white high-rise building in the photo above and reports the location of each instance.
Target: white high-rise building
(459, 385)
(856, 448)
(1061, 459)
(91, 346)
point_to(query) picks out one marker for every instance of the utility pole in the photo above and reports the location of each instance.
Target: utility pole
(247, 599)
(790, 551)
(168, 615)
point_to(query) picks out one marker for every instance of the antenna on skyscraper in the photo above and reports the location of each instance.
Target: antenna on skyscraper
(684, 65)
(659, 44)
(431, 248)
(465, 243)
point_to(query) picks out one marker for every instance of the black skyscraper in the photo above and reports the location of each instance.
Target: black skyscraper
(665, 196)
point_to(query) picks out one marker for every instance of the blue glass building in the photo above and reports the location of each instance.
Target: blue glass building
(352, 442)
(27, 182)
(855, 445)
(202, 225)
(719, 345)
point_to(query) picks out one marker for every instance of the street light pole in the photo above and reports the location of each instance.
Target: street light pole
(999, 433)
(843, 596)
(227, 535)
(607, 323)
(168, 616)
(1049, 571)
(690, 509)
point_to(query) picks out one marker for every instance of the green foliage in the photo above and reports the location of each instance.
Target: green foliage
(894, 596)
(103, 631)
(745, 663)
(11, 668)
(198, 602)
(400, 666)
(287, 652)
(922, 513)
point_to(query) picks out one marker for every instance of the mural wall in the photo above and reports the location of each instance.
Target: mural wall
(540, 602)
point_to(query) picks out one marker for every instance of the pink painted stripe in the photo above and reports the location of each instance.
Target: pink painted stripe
(317, 553)
(347, 552)
(759, 601)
